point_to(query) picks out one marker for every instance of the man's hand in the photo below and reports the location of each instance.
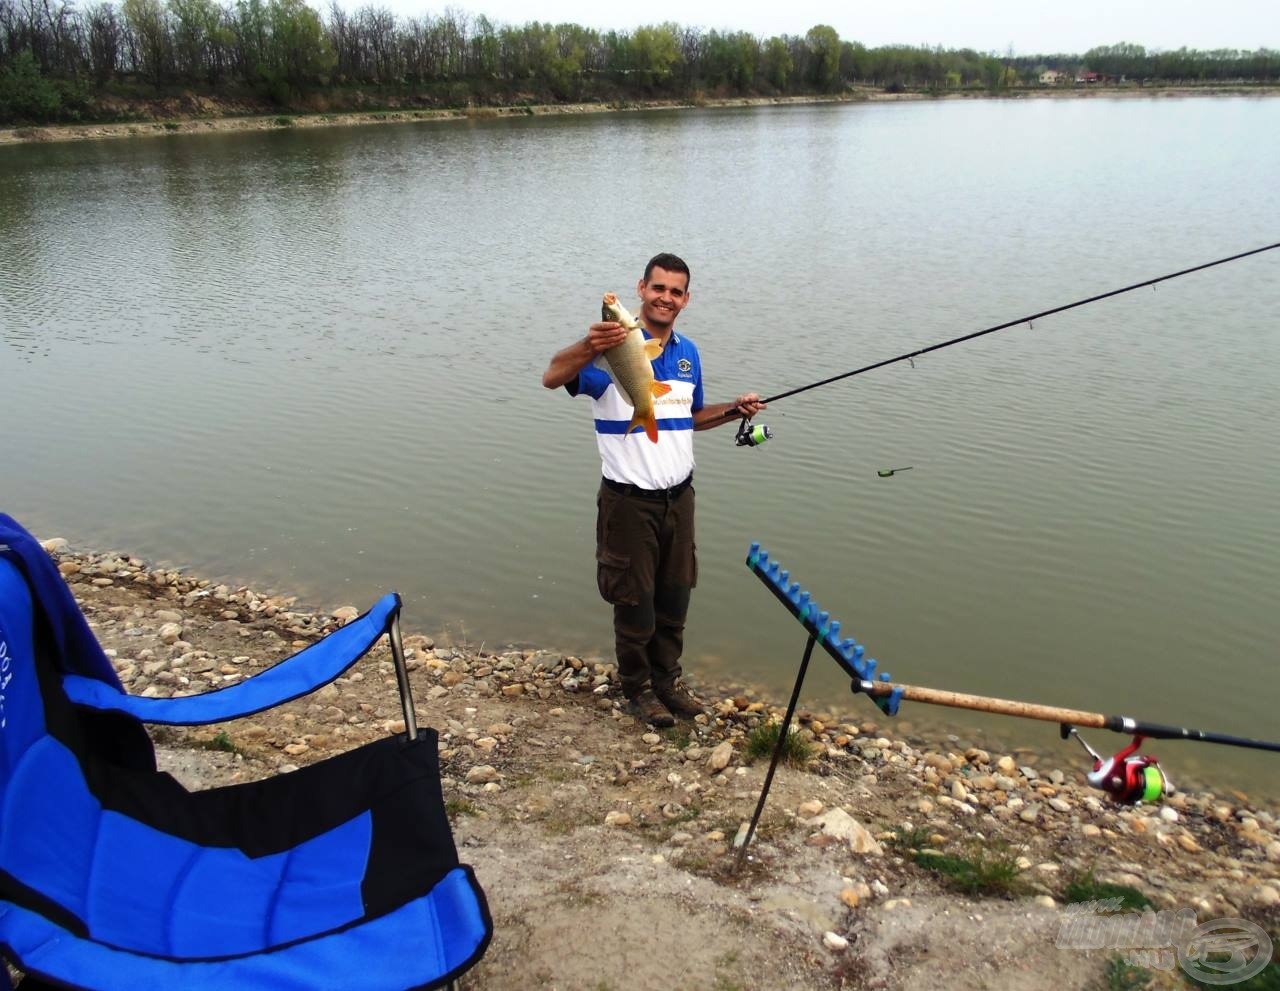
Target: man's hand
(603, 336)
(749, 404)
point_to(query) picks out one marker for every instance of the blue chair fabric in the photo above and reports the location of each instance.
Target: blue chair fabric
(112, 875)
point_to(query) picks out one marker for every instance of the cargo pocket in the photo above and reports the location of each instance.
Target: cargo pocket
(613, 575)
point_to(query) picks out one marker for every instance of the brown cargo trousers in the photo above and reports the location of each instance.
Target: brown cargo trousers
(646, 566)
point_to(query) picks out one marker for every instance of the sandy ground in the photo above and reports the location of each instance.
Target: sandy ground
(605, 848)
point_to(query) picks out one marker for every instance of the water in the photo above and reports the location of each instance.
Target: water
(310, 360)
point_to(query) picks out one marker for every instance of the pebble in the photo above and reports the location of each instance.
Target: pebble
(834, 942)
(618, 819)
(808, 810)
(720, 757)
(482, 774)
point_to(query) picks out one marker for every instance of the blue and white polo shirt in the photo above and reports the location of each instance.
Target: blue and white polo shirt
(633, 457)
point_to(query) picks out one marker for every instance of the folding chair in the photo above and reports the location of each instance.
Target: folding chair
(342, 874)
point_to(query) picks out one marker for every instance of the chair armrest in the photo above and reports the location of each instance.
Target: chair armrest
(292, 678)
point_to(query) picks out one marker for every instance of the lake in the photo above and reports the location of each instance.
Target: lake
(309, 360)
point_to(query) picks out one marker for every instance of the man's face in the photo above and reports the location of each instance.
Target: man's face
(662, 298)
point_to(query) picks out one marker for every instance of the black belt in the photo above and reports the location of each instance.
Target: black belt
(626, 488)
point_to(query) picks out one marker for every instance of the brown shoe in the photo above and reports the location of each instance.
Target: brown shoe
(648, 708)
(679, 699)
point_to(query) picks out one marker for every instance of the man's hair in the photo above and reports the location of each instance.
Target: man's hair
(669, 263)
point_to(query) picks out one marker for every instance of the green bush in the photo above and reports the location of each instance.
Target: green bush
(25, 94)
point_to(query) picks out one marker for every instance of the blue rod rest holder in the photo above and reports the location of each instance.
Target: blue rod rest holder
(826, 631)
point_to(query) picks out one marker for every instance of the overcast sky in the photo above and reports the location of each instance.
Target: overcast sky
(1029, 26)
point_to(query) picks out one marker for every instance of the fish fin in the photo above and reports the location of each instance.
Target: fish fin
(652, 348)
(650, 424)
(660, 388)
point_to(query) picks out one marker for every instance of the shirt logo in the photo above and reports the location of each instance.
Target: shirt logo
(685, 365)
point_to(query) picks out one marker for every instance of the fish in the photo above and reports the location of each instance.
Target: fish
(631, 368)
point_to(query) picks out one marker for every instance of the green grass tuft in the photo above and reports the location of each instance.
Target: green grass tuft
(1121, 976)
(762, 740)
(455, 807)
(1084, 888)
(988, 868)
(223, 743)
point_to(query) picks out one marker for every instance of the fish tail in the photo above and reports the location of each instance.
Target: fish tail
(649, 422)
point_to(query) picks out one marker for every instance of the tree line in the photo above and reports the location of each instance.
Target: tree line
(57, 59)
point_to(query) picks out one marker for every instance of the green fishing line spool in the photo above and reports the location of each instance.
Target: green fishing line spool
(752, 435)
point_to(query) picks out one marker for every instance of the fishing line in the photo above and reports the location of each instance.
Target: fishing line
(1003, 326)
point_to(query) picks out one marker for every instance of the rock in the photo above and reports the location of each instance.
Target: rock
(1059, 805)
(1006, 765)
(1045, 901)
(1168, 814)
(618, 819)
(841, 825)
(808, 810)
(834, 942)
(345, 614)
(850, 898)
(894, 903)
(1266, 897)
(651, 738)
(170, 632)
(69, 568)
(1273, 852)
(482, 774)
(54, 545)
(1090, 830)
(720, 757)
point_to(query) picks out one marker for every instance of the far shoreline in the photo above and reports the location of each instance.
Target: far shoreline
(162, 125)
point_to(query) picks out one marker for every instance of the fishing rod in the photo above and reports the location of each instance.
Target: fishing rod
(1127, 776)
(749, 436)
(1054, 714)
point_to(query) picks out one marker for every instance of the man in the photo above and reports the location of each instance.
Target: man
(645, 554)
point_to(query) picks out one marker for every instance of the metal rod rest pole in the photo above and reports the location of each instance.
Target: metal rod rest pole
(777, 754)
(402, 677)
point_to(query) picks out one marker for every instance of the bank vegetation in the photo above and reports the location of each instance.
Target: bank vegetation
(64, 62)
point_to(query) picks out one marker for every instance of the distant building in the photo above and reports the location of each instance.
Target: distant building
(1051, 77)
(1089, 77)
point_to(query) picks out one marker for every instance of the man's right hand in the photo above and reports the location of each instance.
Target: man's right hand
(603, 336)
(568, 361)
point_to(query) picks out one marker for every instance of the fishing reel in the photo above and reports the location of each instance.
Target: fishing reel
(751, 436)
(1127, 776)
